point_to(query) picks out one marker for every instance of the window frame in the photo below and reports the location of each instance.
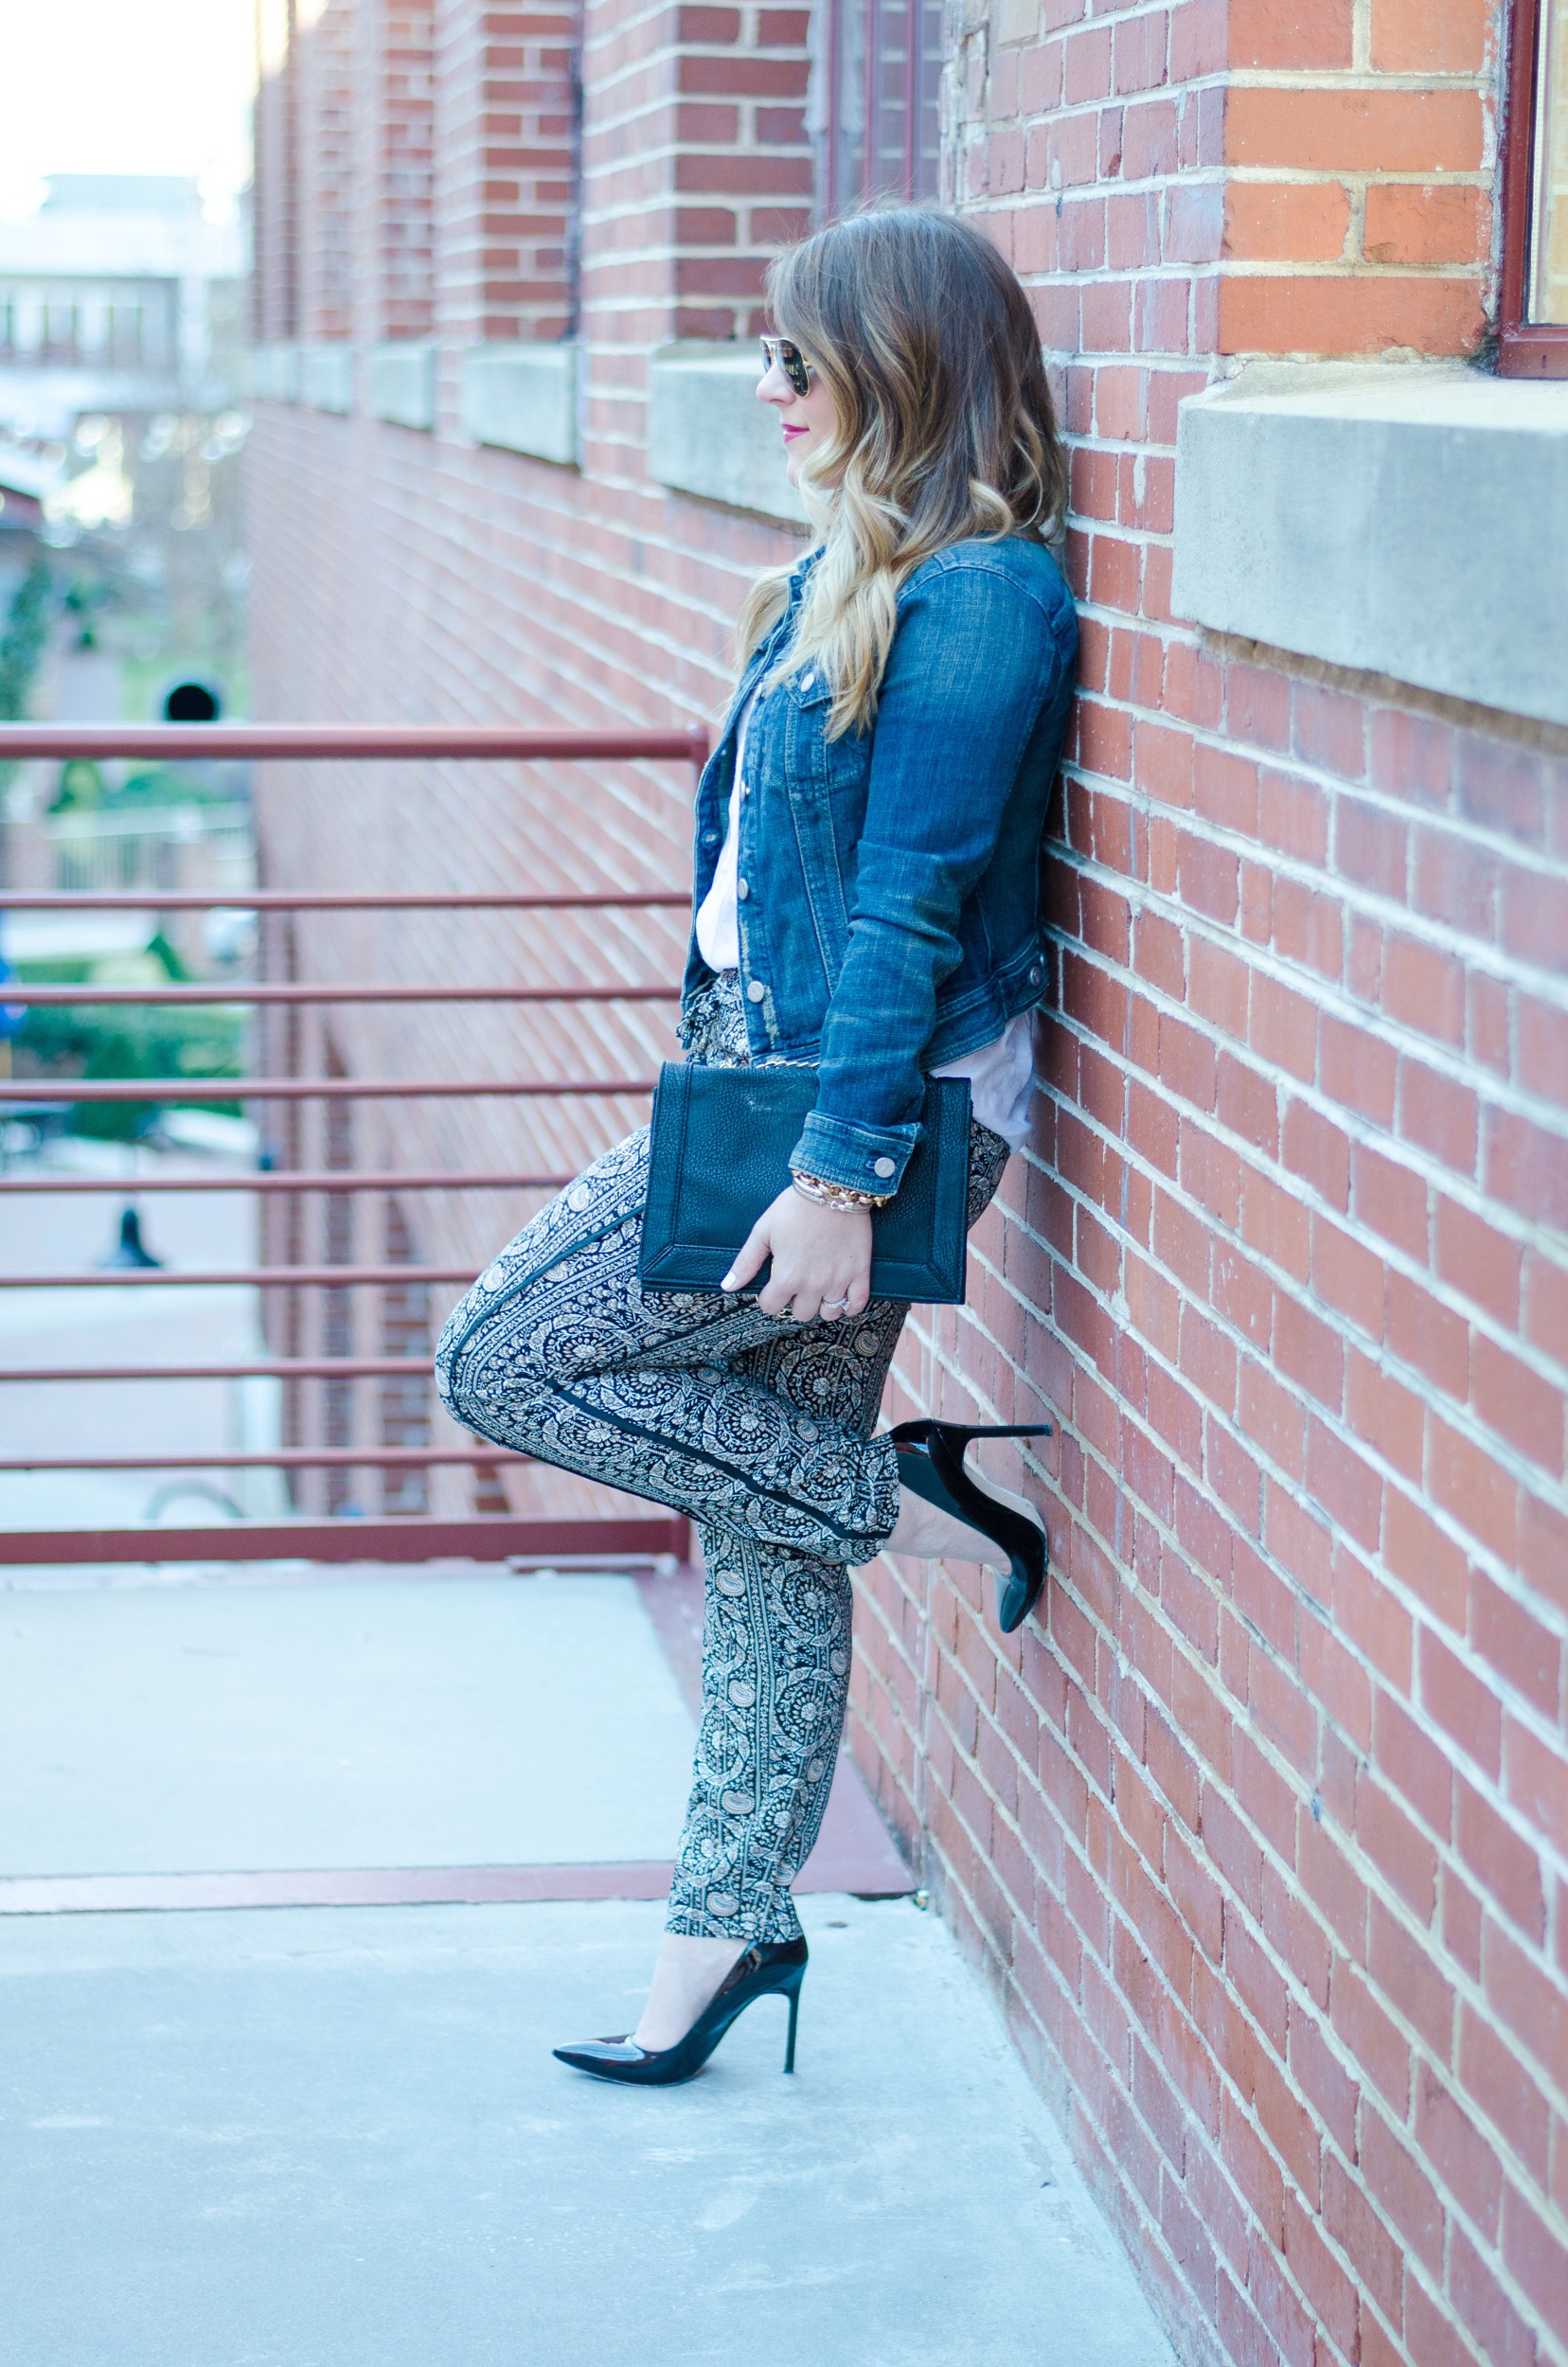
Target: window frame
(832, 200)
(1525, 348)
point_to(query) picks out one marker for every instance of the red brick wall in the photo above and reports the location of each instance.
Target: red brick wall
(328, 189)
(1260, 1830)
(505, 162)
(1360, 200)
(275, 230)
(401, 129)
(1263, 1837)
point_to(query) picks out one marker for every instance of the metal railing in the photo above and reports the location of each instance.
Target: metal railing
(400, 1534)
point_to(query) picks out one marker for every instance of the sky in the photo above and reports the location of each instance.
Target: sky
(128, 86)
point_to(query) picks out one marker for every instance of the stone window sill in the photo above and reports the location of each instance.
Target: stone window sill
(523, 398)
(275, 373)
(708, 435)
(399, 385)
(327, 378)
(1402, 520)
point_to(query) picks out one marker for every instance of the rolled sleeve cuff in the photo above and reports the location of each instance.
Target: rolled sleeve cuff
(861, 1158)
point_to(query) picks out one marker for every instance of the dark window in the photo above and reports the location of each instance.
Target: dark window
(1535, 193)
(875, 109)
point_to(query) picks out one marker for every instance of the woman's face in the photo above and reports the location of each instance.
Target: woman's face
(807, 420)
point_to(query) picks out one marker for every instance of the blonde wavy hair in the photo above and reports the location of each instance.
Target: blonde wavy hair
(945, 431)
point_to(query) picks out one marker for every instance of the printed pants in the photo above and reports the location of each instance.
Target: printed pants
(756, 1427)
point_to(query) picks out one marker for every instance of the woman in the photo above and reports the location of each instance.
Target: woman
(868, 835)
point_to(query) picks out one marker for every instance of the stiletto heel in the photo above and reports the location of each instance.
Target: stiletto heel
(770, 1968)
(931, 1464)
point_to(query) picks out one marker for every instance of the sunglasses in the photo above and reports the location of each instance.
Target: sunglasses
(790, 361)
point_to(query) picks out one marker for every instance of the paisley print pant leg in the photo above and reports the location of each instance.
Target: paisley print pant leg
(776, 1648)
(759, 1428)
(558, 1351)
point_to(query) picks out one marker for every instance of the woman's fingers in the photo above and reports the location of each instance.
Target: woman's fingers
(785, 1291)
(821, 1261)
(749, 1257)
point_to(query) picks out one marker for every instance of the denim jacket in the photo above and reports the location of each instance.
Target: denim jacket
(889, 880)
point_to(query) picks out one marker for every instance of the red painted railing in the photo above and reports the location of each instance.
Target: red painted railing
(399, 1535)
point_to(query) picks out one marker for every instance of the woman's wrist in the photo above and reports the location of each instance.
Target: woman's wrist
(841, 1196)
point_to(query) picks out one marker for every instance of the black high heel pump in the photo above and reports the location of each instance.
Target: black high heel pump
(772, 1968)
(931, 1462)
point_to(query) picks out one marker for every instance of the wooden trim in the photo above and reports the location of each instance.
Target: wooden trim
(1525, 348)
(1534, 350)
(1519, 93)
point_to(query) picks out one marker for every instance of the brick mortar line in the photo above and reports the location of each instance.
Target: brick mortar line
(1334, 82)
(1368, 176)
(576, 599)
(1351, 269)
(1157, 185)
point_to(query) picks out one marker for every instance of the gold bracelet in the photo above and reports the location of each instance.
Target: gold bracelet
(842, 1197)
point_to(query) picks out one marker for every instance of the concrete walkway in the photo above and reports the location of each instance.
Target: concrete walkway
(335, 2136)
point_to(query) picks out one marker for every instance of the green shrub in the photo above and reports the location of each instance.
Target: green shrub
(113, 1042)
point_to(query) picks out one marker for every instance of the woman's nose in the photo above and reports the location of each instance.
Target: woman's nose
(773, 386)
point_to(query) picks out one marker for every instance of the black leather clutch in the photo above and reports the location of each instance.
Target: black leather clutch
(720, 1153)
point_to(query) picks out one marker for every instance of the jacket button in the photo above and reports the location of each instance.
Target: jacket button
(806, 681)
(710, 838)
(1036, 974)
(884, 1167)
(756, 990)
(742, 890)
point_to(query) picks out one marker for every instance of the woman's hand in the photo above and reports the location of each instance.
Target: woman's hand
(821, 1257)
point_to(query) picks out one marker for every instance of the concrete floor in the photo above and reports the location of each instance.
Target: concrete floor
(345, 1721)
(336, 2138)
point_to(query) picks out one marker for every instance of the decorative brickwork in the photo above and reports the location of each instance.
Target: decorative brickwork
(1259, 1832)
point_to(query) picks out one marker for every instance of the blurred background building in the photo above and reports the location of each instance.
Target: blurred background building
(117, 294)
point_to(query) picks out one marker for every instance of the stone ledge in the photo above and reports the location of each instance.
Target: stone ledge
(708, 435)
(327, 378)
(523, 398)
(1404, 521)
(273, 374)
(399, 385)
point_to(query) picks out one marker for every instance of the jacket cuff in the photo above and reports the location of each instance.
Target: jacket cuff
(861, 1158)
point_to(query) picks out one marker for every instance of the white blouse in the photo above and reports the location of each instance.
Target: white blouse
(1001, 1073)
